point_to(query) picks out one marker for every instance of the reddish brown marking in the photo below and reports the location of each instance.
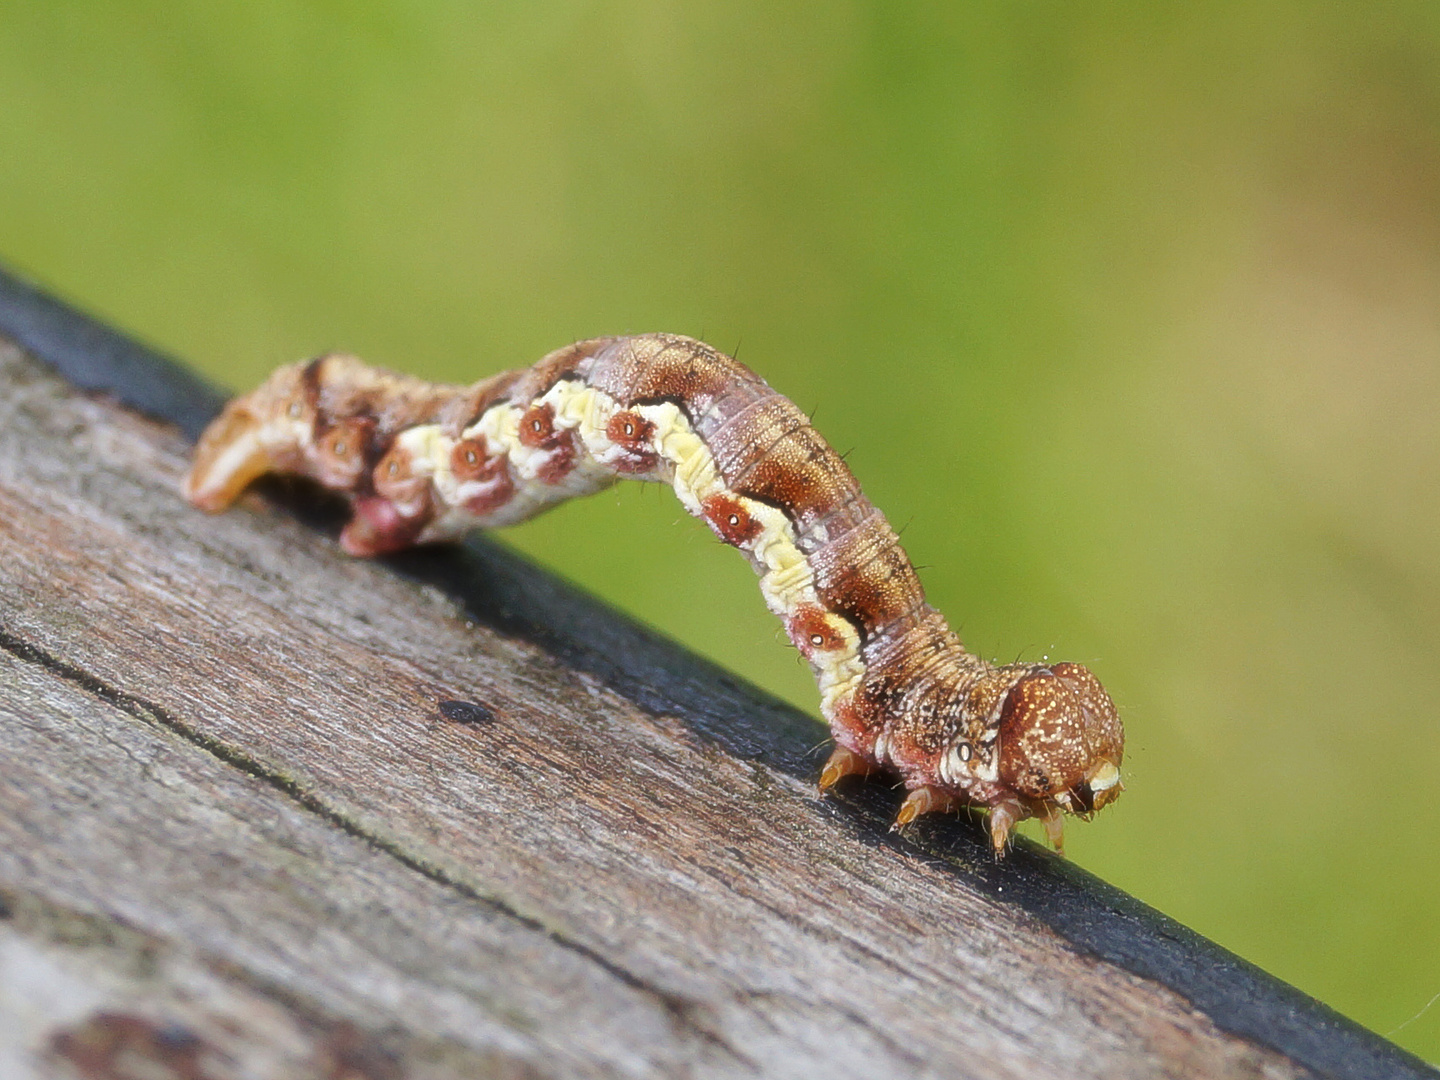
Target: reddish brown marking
(729, 519)
(802, 475)
(632, 433)
(814, 632)
(856, 722)
(340, 451)
(537, 425)
(560, 459)
(471, 464)
(495, 494)
(312, 380)
(470, 460)
(395, 479)
(538, 431)
(873, 589)
(632, 462)
(630, 430)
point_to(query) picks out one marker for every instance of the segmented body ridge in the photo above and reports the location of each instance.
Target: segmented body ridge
(423, 462)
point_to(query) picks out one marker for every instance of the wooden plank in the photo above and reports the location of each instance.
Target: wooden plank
(148, 879)
(224, 740)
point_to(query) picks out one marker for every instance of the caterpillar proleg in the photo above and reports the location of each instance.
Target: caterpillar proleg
(423, 462)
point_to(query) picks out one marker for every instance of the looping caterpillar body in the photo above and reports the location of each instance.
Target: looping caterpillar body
(426, 462)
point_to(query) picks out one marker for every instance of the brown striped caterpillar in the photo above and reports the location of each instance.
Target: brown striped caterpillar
(424, 462)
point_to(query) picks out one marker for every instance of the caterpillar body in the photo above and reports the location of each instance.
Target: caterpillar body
(425, 462)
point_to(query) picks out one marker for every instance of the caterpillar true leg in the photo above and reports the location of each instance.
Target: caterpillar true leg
(844, 762)
(424, 462)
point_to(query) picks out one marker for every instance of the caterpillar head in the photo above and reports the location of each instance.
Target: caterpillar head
(1060, 748)
(1031, 740)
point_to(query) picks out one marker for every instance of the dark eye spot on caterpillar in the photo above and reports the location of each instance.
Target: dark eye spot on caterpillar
(629, 429)
(900, 692)
(730, 520)
(338, 460)
(469, 461)
(631, 433)
(537, 425)
(465, 712)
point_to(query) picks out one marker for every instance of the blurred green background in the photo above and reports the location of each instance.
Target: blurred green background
(1130, 314)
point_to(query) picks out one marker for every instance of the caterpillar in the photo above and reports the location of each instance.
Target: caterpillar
(423, 462)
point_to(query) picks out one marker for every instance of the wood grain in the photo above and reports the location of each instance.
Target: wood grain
(239, 837)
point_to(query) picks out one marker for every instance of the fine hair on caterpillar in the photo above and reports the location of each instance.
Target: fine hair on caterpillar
(423, 462)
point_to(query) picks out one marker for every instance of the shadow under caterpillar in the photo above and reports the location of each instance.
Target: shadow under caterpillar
(425, 462)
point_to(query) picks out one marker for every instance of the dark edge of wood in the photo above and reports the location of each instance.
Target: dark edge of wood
(502, 590)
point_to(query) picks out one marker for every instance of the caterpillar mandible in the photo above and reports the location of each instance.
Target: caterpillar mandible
(425, 462)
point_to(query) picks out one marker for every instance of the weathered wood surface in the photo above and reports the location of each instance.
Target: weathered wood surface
(239, 838)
